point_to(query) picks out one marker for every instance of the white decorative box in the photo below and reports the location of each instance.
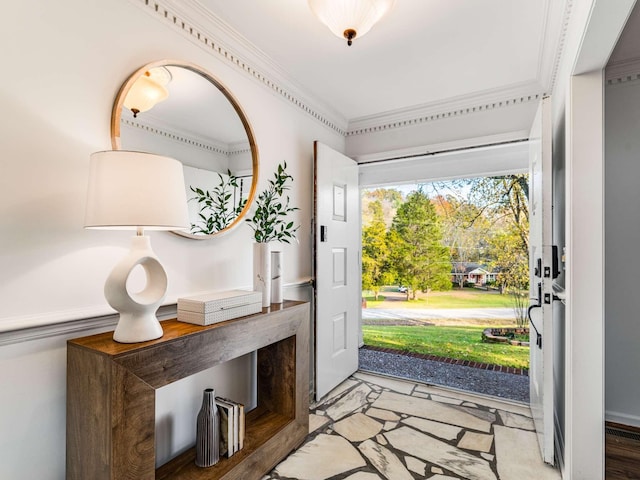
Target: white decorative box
(217, 307)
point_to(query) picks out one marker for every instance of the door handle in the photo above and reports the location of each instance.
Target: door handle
(538, 336)
(531, 307)
(323, 233)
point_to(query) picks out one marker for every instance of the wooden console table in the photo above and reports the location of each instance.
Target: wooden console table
(111, 395)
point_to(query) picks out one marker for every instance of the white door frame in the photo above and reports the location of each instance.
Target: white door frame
(584, 347)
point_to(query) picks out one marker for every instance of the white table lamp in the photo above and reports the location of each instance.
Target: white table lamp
(136, 191)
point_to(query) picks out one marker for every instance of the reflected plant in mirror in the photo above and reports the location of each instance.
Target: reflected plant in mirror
(269, 221)
(219, 207)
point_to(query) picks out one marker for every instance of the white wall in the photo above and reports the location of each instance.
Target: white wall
(63, 63)
(622, 263)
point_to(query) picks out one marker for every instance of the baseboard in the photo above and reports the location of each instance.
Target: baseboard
(622, 418)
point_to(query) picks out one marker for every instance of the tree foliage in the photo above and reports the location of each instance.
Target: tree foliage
(510, 261)
(388, 198)
(505, 200)
(375, 253)
(464, 232)
(480, 220)
(419, 258)
(496, 212)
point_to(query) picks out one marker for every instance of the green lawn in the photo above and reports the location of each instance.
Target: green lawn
(451, 342)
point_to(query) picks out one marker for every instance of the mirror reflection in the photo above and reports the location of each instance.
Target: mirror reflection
(180, 111)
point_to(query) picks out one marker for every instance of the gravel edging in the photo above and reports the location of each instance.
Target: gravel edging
(454, 361)
(463, 377)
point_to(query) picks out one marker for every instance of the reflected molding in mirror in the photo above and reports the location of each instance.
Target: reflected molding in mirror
(198, 126)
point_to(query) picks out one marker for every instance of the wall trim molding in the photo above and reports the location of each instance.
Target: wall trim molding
(23, 328)
(182, 15)
(208, 144)
(443, 110)
(623, 72)
(562, 42)
(622, 418)
(208, 31)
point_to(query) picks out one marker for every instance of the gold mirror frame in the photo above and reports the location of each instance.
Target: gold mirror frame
(116, 143)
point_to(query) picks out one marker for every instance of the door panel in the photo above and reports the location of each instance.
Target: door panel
(336, 267)
(541, 277)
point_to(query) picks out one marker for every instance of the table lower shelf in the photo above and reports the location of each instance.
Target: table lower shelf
(269, 437)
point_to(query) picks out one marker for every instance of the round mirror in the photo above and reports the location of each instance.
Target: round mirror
(178, 110)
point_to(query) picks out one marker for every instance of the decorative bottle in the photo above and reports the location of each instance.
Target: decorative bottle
(208, 431)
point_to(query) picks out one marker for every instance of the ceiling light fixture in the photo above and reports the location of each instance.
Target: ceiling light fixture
(350, 18)
(148, 90)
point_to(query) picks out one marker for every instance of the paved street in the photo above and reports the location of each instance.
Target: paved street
(437, 315)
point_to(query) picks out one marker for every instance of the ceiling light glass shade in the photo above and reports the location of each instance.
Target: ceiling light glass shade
(147, 91)
(134, 190)
(350, 17)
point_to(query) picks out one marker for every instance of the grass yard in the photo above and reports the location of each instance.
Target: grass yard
(456, 298)
(463, 342)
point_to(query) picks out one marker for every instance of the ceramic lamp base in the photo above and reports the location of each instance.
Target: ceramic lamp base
(138, 321)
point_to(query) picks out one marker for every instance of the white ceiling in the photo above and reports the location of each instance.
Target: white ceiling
(424, 52)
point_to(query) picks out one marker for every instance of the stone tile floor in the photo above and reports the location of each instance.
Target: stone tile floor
(375, 428)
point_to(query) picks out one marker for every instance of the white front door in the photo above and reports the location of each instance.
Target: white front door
(542, 272)
(337, 267)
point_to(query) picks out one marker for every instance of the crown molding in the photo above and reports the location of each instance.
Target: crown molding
(210, 33)
(553, 43)
(623, 72)
(204, 28)
(449, 108)
(157, 127)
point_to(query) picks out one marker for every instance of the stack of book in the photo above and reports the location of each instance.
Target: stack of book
(231, 426)
(217, 307)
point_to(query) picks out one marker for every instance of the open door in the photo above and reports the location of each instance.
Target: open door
(542, 272)
(336, 267)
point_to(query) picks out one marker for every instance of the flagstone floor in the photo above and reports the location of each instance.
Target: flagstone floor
(380, 428)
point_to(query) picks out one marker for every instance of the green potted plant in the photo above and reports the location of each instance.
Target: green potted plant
(270, 224)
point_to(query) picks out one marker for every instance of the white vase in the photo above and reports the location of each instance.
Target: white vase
(262, 271)
(276, 277)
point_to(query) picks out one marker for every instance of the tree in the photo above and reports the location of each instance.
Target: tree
(389, 198)
(375, 253)
(464, 232)
(509, 260)
(512, 266)
(419, 258)
(499, 206)
(505, 198)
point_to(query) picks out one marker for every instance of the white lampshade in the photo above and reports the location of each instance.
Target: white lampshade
(128, 190)
(345, 17)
